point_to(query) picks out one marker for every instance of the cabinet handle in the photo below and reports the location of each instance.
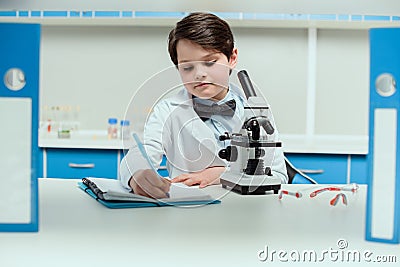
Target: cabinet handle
(84, 166)
(311, 171)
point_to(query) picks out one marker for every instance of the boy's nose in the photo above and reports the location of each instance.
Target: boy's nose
(200, 72)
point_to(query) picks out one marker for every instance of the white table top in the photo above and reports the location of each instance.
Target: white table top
(75, 230)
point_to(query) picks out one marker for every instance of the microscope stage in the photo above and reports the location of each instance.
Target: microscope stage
(250, 184)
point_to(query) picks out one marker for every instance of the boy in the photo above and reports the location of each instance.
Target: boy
(201, 46)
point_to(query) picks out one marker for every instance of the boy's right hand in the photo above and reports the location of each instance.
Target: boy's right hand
(148, 183)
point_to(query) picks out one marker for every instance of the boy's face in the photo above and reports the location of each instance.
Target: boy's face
(204, 73)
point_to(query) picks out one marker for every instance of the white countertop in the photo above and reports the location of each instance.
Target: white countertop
(75, 230)
(91, 139)
(325, 144)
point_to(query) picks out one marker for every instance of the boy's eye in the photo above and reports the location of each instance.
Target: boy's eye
(186, 67)
(210, 63)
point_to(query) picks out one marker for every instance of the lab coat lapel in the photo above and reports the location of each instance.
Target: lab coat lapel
(192, 137)
(188, 116)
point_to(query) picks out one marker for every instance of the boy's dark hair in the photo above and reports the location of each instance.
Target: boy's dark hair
(204, 29)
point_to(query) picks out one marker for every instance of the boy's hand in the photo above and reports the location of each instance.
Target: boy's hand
(202, 178)
(147, 183)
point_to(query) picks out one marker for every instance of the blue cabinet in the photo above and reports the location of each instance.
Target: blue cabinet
(337, 169)
(359, 168)
(334, 166)
(78, 163)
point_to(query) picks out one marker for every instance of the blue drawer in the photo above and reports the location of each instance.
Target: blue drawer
(334, 166)
(78, 163)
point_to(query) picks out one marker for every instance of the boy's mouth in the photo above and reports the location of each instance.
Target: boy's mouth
(199, 85)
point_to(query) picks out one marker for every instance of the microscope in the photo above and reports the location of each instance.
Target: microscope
(251, 151)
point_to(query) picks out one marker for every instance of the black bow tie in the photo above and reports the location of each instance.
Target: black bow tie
(206, 111)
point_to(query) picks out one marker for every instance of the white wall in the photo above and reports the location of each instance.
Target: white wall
(100, 68)
(342, 82)
(276, 60)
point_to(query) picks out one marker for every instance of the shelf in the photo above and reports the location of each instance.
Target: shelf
(152, 22)
(84, 140)
(235, 23)
(325, 144)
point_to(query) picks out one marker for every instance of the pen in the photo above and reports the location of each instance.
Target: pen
(146, 156)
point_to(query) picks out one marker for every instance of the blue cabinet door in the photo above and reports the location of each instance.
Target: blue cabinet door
(79, 163)
(334, 167)
(19, 103)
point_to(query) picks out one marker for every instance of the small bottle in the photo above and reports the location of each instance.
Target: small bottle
(112, 128)
(125, 131)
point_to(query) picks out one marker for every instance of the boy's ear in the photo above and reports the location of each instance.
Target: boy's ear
(233, 59)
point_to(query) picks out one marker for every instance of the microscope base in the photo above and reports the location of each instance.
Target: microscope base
(245, 187)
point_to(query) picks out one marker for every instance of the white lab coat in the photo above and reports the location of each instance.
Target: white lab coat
(174, 129)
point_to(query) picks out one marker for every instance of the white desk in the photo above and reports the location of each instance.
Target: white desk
(75, 230)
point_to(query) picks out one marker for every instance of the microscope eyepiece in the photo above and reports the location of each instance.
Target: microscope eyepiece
(247, 86)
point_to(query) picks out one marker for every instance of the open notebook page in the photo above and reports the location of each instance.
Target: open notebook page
(113, 190)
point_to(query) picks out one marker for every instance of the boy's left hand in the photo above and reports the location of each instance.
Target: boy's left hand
(202, 178)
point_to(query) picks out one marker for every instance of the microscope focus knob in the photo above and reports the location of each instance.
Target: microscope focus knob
(224, 137)
(230, 153)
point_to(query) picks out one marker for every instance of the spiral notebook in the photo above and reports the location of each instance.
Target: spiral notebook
(112, 194)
